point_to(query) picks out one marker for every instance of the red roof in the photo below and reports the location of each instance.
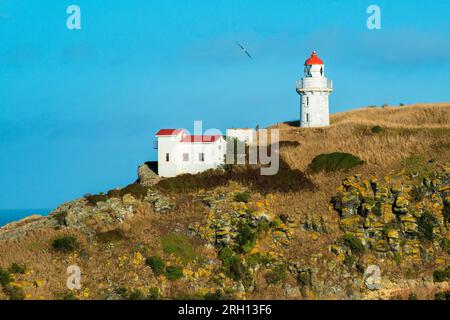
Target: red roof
(314, 59)
(202, 139)
(168, 132)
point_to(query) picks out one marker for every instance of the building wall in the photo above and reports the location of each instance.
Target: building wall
(315, 109)
(314, 103)
(214, 156)
(167, 145)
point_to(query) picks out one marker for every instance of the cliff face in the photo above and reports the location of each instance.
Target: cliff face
(302, 234)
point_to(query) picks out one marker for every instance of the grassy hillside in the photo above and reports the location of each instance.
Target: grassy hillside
(238, 235)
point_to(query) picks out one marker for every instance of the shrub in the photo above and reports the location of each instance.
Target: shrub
(174, 273)
(349, 261)
(70, 296)
(92, 200)
(441, 275)
(17, 269)
(154, 294)
(135, 295)
(353, 243)
(137, 190)
(60, 217)
(242, 197)
(65, 244)
(286, 180)
(257, 259)
(234, 267)
(14, 293)
(276, 275)
(180, 246)
(304, 279)
(412, 296)
(246, 238)
(156, 264)
(426, 223)
(442, 295)
(376, 129)
(5, 277)
(446, 212)
(334, 162)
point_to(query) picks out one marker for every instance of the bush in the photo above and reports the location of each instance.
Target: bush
(376, 129)
(14, 293)
(286, 180)
(92, 200)
(70, 296)
(60, 217)
(446, 212)
(17, 269)
(234, 267)
(135, 295)
(5, 277)
(276, 275)
(412, 296)
(442, 295)
(441, 275)
(242, 197)
(353, 243)
(246, 238)
(137, 190)
(334, 162)
(174, 273)
(154, 294)
(65, 244)
(180, 246)
(426, 223)
(156, 264)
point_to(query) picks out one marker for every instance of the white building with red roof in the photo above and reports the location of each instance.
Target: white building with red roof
(314, 90)
(180, 153)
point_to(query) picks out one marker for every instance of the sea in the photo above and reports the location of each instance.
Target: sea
(7, 216)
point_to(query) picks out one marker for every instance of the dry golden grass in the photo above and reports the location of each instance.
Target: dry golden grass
(408, 130)
(419, 130)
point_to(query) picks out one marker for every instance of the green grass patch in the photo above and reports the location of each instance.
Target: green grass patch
(174, 273)
(17, 268)
(376, 129)
(180, 246)
(157, 265)
(242, 197)
(65, 244)
(353, 243)
(334, 162)
(276, 275)
(426, 223)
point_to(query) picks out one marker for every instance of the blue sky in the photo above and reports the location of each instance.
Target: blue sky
(78, 108)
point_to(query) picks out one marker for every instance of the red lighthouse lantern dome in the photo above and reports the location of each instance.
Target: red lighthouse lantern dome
(313, 60)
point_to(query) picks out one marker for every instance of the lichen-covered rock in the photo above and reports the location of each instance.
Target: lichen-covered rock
(387, 216)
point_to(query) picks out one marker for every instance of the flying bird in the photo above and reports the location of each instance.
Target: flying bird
(244, 50)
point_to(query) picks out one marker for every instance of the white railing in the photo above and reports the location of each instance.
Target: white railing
(319, 84)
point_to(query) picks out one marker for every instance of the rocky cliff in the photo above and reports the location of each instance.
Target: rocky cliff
(373, 189)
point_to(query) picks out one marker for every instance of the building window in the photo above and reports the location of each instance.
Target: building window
(307, 101)
(201, 157)
(185, 157)
(167, 157)
(220, 147)
(307, 117)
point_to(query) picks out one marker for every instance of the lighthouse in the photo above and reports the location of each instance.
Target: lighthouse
(314, 89)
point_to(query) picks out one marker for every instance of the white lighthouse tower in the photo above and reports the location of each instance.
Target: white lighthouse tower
(314, 90)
